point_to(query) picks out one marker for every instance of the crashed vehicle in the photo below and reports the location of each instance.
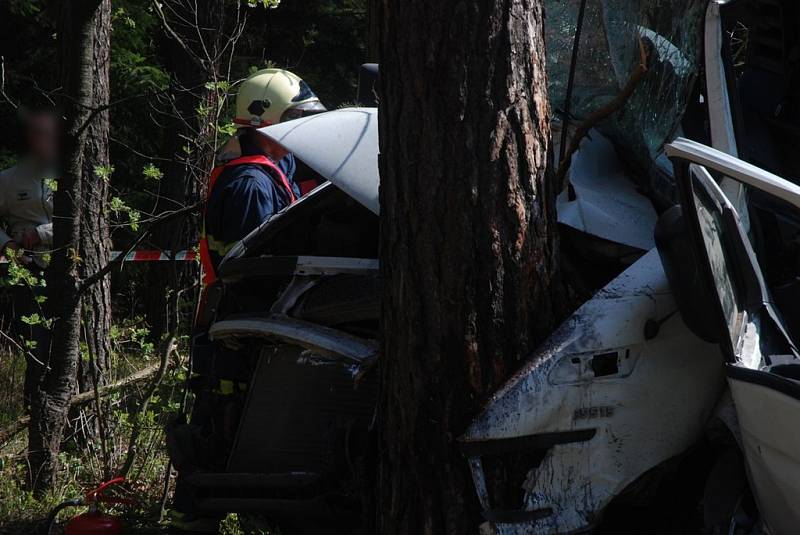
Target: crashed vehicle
(629, 386)
(296, 307)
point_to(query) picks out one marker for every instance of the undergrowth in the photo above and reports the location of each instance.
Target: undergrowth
(86, 459)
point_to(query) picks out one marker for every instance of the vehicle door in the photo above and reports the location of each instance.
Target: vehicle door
(754, 277)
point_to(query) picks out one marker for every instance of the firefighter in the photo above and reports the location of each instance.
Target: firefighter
(255, 177)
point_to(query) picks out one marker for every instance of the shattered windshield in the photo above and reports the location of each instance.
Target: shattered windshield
(671, 32)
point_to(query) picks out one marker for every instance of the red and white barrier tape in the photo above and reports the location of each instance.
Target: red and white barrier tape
(155, 256)
(146, 256)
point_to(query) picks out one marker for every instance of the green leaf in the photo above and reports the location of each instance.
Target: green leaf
(152, 172)
(118, 205)
(104, 172)
(33, 319)
(227, 129)
(133, 218)
(268, 4)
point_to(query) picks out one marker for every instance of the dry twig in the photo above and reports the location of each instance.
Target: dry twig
(598, 115)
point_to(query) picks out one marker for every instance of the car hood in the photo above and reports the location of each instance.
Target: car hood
(340, 145)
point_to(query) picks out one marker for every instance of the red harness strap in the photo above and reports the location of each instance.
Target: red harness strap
(209, 273)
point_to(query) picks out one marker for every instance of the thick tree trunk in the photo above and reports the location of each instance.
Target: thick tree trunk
(95, 243)
(51, 399)
(467, 238)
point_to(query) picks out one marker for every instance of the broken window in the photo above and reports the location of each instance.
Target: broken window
(672, 33)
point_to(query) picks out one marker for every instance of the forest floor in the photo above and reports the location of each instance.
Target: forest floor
(86, 460)
(81, 459)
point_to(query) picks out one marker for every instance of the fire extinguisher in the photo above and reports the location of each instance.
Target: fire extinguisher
(93, 521)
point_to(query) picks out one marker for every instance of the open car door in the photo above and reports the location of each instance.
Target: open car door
(754, 279)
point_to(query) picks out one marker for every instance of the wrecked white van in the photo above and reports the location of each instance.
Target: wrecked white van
(627, 385)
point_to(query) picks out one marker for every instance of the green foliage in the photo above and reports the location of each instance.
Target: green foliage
(33, 319)
(118, 206)
(26, 8)
(152, 172)
(222, 86)
(228, 129)
(134, 63)
(18, 274)
(7, 158)
(268, 4)
(104, 172)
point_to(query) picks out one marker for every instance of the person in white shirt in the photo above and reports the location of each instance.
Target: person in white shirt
(26, 227)
(26, 199)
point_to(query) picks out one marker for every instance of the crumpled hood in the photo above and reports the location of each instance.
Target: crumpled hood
(340, 145)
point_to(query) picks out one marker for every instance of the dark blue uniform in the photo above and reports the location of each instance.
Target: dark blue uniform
(244, 197)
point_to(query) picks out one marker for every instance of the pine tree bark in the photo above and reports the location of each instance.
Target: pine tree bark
(95, 242)
(468, 245)
(50, 400)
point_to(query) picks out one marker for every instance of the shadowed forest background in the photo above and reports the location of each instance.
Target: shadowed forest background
(172, 74)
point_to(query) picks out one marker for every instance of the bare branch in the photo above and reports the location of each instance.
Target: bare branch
(598, 115)
(105, 270)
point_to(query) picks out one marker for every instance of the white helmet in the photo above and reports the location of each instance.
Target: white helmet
(271, 96)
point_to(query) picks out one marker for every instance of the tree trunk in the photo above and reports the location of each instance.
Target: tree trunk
(95, 243)
(373, 31)
(468, 245)
(51, 399)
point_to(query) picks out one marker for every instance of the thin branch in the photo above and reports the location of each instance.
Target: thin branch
(170, 345)
(598, 115)
(105, 270)
(25, 351)
(84, 397)
(3, 83)
(172, 33)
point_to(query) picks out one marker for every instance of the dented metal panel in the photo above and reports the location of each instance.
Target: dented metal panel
(605, 203)
(329, 342)
(646, 400)
(299, 418)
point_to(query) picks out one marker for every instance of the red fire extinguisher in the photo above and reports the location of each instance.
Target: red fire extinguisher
(93, 521)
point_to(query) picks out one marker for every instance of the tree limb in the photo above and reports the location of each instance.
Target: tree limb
(105, 270)
(598, 115)
(84, 397)
(174, 35)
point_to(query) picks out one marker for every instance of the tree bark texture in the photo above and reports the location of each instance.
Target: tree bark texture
(468, 245)
(95, 242)
(50, 400)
